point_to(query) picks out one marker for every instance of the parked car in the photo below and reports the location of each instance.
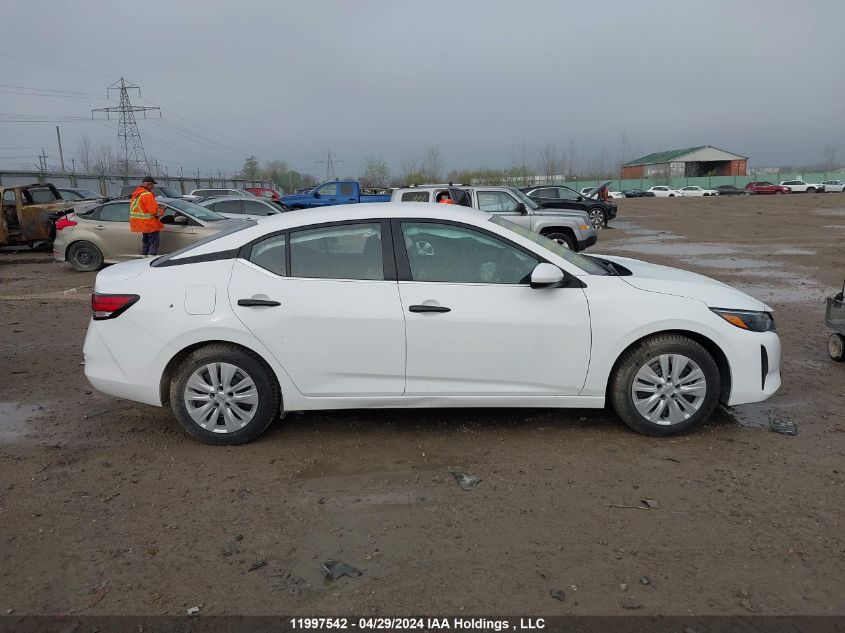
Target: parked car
(460, 308)
(662, 191)
(263, 192)
(78, 194)
(28, 213)
(764, 187)
(332, 193)
(731, 190)
(160, 191)
(217, 193)
(600, 212)
(831, 186)
(238, 207)
(637, 193)
(100, 234)
(800, 186)
(570, 228)
(693, 191)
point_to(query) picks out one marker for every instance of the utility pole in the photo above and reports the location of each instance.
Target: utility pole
(130, 149)
(61, 154)
(330, 163)
(156, 164)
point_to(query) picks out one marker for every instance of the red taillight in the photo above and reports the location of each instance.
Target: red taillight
(63, 223)
(110, 306)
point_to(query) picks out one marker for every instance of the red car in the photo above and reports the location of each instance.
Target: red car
(264, 192)
(765, 187)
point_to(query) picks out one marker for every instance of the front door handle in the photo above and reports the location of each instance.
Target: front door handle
(425, 308)
(100, 227)
(257, 303)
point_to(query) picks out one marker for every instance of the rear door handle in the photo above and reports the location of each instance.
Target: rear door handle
(100, 227)
(425, 308)
(257, 303)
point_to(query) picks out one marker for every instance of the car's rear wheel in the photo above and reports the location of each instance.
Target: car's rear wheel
(598, 218)
(666, 385)
(811, 190)
(778, 192)
(85, 256)
(224, 394)
(563, 239)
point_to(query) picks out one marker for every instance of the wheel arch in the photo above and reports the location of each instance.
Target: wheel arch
(558, 229)
(181, 355)
(707, 343)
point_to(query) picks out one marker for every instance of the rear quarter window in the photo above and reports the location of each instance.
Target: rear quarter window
(415, 196)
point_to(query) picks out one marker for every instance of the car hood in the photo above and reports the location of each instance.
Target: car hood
(571, 213)
(592, 192)
(682, 283)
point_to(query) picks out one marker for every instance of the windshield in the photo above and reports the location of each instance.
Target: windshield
(169, 192)
(194, 210)
(523, 198)
(561, 251)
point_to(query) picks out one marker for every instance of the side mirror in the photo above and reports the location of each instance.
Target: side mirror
(520, 208)
(180, 219)
(546, 276)
(316, 194)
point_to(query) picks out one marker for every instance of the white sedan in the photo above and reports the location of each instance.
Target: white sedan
(697, 192)
(661, 191)
(418, 305)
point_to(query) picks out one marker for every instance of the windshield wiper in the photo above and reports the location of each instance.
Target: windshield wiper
(606, 264)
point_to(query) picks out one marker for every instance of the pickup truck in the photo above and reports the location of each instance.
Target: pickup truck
(569, 227)
(331, 193)
(26, 213)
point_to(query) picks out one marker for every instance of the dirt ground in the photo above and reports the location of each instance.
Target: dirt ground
(106, 507)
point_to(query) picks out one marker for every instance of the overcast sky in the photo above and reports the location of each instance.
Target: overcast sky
(381, 78)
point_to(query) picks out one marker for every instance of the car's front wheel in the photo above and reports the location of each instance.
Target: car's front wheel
(598, 218)
(224, 394)
(85, 257)
(665, 385)
(563, 239)
(811, 190)
(836, 347)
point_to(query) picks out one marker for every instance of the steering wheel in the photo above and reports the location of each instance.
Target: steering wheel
(424, 247)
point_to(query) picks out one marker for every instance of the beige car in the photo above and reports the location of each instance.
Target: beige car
(99, 234)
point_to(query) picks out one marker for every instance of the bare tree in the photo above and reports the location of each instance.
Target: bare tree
(431, 164)
(103, 160)
(549, 163)
(410, 167)
(571, 160)
(376, 173)
(83, 154)
(830, 162)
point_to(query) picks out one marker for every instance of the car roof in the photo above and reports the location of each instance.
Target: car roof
(342, 213)
(205, 201)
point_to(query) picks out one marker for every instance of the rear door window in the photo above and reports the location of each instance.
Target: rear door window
(415, 196)
(338, 252)
(228, 206)
(254, 207)
(118, 212)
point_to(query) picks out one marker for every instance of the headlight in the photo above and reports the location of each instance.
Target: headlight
(748, 319)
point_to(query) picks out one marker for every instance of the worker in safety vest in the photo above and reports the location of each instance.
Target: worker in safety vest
(444, 198)
(144, 214)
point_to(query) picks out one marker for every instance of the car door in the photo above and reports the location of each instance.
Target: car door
(474, 325)
(179, 231)
(254, 209)
(326, 195)
(112, 227)
(325, 302)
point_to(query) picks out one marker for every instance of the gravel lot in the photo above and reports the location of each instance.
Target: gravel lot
(106, 507)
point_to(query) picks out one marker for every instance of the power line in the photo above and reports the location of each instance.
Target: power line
(35, 61)
(70, 92)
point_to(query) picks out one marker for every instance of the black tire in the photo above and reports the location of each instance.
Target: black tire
(564, 239)
(778, 192)
(811, 190)
(85, 257)
(671, 195)
(598, 217)
(836, 347)
(269, 396)
(634, 359)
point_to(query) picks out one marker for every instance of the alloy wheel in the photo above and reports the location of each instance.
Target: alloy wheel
(597, 219)
(669, 389)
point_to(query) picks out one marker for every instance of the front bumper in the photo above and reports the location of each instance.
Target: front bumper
(580, 245)
(755, 368)
(611, 212)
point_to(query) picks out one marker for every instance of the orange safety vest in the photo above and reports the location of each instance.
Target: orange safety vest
(144, 212)
(446, 201)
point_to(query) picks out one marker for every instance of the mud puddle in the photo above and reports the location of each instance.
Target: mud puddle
(757, 415)
(13, 420)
